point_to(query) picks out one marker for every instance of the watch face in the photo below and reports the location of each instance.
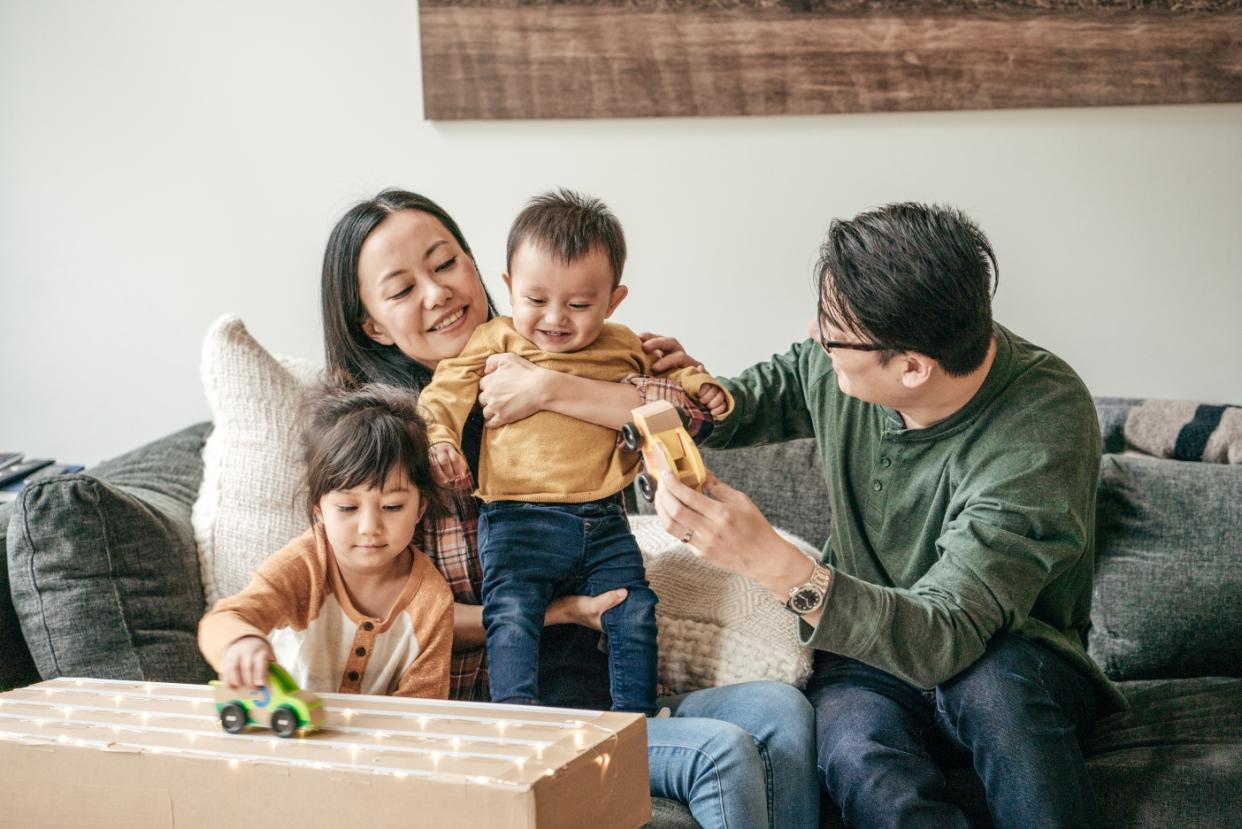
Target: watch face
(806, 600)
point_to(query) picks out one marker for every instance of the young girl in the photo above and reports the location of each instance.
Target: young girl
(351, 606)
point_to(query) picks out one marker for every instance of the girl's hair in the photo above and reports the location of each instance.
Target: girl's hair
(357, 436)
(348, 348)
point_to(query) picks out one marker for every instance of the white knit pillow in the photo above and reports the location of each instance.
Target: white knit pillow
(248, 505)
(715, 627)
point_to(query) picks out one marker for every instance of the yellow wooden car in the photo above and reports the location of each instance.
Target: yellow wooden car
(659, 424)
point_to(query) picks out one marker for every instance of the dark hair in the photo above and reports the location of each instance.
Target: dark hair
(357, 436)
(567, 226)
(348, 348)
(912, 276)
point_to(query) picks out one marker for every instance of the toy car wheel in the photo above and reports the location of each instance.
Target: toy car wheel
(284, 721)
(646, 486)
(233, 718)
(631, 437)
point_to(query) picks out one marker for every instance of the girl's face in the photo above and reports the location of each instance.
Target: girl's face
(420, 290)
(369, 528)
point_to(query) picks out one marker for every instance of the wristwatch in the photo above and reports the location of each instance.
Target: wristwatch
(809, 597)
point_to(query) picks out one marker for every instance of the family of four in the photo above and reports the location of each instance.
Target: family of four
(948, 612)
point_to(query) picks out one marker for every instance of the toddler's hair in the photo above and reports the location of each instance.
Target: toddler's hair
(356, 437)
(566, 226)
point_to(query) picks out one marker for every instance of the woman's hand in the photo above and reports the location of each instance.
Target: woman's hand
(583, 610)
(245, 662)
(667, 353)
(512, 389)
(723, 526)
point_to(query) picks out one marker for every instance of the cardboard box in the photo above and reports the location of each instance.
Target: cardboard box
(130, 755)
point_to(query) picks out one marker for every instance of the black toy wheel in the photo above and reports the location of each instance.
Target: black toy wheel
(284, 721)
(646, 486)
(632, 438)
(233, 718)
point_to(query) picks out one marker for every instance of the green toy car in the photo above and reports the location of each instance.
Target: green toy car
(279, 705)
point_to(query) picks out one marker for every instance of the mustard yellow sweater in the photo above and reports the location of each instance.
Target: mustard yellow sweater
(548, 457)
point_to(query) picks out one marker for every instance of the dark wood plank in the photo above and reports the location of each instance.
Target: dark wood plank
(538, 59)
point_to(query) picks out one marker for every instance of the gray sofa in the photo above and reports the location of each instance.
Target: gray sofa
(99, 577)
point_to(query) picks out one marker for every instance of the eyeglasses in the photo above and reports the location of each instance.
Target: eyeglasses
(829, 344)
(826, 345)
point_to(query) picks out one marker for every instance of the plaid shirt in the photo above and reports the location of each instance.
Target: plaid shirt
(453, 542)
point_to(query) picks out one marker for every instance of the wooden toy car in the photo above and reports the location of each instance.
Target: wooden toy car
(279, 705)
(659, 424)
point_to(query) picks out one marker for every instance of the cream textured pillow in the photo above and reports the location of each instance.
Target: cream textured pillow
(715, 627)
(248, 505)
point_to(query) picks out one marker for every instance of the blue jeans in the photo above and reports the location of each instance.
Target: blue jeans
(533, 553)
(740, 757)
(1018, 712)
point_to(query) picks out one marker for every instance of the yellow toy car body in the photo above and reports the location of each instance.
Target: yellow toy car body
(279, 705)
(659, 425)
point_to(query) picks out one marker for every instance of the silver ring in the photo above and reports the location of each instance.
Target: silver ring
(685, 537)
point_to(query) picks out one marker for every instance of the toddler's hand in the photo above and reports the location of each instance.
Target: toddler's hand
(245, 663)
(714, 398)
(449, 465)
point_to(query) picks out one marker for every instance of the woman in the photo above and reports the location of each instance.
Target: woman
(401, 291)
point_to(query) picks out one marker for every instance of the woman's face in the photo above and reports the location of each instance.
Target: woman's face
(420, 290)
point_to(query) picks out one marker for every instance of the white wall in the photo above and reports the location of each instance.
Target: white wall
(162, 163)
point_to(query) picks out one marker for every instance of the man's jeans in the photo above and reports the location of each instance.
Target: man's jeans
(1019, 711)
(533, 553)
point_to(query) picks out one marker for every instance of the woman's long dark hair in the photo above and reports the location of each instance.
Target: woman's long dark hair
(348, 350)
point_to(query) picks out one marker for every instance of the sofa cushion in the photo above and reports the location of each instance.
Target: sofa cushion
(1173, 758)
(248, 506)
(1167, 582)
(716, 627)
(103, 569)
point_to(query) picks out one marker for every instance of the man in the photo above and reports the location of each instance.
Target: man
(953, 599)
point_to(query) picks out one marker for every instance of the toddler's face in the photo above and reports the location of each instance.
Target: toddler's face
(369, 528)
(561, 307)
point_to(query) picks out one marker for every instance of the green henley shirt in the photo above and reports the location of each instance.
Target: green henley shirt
(943, 536)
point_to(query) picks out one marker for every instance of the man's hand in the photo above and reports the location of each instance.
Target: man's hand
(714, 398)
(667, 353)
(725, 527)
(245, 662)
(449, 466)
(511, 389)
(584, 610)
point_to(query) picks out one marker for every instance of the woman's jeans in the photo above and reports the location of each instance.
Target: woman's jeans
(1018, 711)
(533, 553)
(740, 757)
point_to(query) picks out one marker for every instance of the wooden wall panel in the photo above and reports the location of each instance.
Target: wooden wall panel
(540, 59)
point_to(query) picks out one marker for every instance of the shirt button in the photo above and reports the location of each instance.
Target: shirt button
(360, 651)
(352, 676)
(877, 486)
(886, 462)
(368, 626)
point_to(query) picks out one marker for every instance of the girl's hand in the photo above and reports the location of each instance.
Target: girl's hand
(667, 353)
(511, 389)
(245, 662)
(713, 397)
(449, 466)
(583, 610)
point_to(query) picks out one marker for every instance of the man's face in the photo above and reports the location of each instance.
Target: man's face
(861, 374)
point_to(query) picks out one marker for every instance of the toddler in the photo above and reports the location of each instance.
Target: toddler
(552, 520)
(351, 606)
